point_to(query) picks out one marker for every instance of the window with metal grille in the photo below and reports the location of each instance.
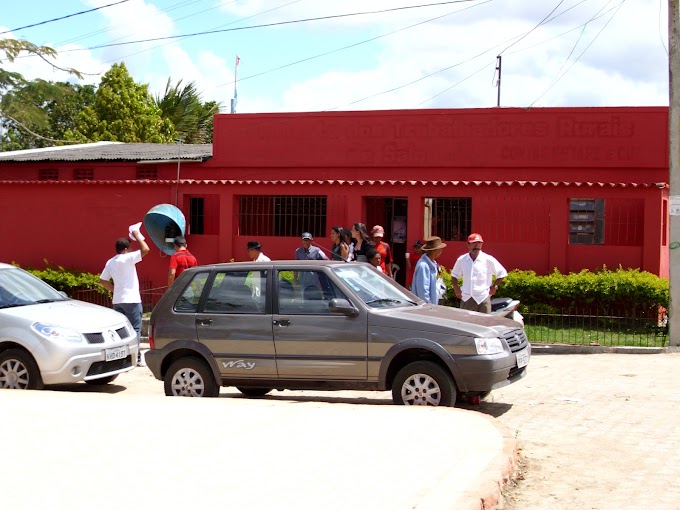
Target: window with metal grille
(49, 174)
(147, 173)
(451, 218)
(83, 174)
(586, 221)
(282, 215)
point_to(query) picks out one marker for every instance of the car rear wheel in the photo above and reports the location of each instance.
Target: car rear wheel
(423, 383)
(190, 377)
(18, 370)
(253, 392)
(102, 381)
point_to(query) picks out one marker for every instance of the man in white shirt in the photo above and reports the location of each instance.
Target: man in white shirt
(255, 252)
(125, 286)
(477, 269)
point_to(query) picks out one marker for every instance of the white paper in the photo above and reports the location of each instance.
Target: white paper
(675, 205)
(137, 227)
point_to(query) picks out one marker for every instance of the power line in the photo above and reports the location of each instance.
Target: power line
(365, 41)
(64, 17)
(266, 25)
(580, 55)
(535, 27)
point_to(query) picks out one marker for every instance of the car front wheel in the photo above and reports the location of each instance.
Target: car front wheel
(18, 370)
(423, 383)
(190, 377)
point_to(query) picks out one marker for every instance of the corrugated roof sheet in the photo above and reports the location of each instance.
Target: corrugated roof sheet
(528, 184)
(112, 151)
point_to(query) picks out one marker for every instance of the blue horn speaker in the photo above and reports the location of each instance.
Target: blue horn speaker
(164, 222)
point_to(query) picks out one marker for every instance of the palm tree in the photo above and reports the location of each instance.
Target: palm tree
(183, 107)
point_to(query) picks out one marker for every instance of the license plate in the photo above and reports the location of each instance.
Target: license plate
(522, 358)
(116, 353)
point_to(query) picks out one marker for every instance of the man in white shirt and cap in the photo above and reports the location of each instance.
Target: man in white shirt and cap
(478, 270)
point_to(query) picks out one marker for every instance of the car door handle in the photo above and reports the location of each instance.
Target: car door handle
(283, 323)
(203, 322)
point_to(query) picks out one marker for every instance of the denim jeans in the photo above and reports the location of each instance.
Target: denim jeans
(133, 311)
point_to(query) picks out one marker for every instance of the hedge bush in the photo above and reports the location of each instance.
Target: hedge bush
(67, 280)
(631, 291)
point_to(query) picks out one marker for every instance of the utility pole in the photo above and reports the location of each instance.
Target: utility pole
(498, 81)
(674, 168)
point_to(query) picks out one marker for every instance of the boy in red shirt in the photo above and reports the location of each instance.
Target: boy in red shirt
(182, 259)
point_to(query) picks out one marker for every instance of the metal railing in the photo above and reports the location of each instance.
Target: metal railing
(588, 328)
(150, 296)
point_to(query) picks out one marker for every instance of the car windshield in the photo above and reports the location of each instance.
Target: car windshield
(19, 288)
(373, 288)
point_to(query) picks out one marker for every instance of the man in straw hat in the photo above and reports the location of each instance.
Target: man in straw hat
(425, 275)
(477, 269)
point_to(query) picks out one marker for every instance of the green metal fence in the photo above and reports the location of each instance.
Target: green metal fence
(607, 329)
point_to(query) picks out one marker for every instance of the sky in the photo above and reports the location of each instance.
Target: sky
(363, 54)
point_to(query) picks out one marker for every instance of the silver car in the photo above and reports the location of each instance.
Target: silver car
(325, 325)
(47, 338)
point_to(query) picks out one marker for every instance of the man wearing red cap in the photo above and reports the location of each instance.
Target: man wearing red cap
(477, 269)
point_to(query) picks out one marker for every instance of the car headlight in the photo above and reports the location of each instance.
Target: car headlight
(57, 333)
(488, 345)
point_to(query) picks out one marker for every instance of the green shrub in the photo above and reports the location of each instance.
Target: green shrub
(67, 280)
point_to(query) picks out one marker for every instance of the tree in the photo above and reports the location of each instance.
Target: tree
(22, 105)
(192, 119)
(123, 111)
(47, 111)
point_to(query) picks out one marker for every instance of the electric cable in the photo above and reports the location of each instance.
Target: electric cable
(535, 27)
(580, 55)
(663, 43)
(267, 25)
(64, 17)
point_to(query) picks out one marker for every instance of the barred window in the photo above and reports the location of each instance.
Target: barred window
(204, 214)
(83, 174)
(49, 174)
(147, 173)
(612, 222)
(282, 215)
(451, 218)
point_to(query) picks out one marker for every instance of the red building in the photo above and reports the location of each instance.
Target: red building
(565, 188)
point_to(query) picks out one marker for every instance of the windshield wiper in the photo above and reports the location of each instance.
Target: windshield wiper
(388, 300)
(40, 301)
(13, 305)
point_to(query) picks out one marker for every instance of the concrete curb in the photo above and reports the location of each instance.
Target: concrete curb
(539, 348)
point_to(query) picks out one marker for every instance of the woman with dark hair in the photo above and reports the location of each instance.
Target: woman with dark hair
(347, 238)
(362, 242)
(340, 249)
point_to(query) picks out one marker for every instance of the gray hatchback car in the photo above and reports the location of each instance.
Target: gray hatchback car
(324, 325)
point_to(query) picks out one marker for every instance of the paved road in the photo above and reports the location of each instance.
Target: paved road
(597, 432)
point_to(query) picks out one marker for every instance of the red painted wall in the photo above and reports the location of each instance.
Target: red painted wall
(348, 156)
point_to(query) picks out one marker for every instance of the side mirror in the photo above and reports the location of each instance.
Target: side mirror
(343, 306)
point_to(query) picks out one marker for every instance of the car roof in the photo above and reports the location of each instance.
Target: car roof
(6, 266)
(230, 266)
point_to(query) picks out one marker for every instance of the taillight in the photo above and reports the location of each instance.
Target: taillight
(151, 341)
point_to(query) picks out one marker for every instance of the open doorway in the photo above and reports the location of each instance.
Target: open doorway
(391, 213)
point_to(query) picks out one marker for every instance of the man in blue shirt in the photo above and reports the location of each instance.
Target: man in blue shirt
(425, 275)
(308, 252)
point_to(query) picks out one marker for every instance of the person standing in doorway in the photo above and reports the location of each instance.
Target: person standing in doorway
(477, 270)
(425, 276)
(182, 259)
(378, 234)
(362, 242)
(125, 286)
